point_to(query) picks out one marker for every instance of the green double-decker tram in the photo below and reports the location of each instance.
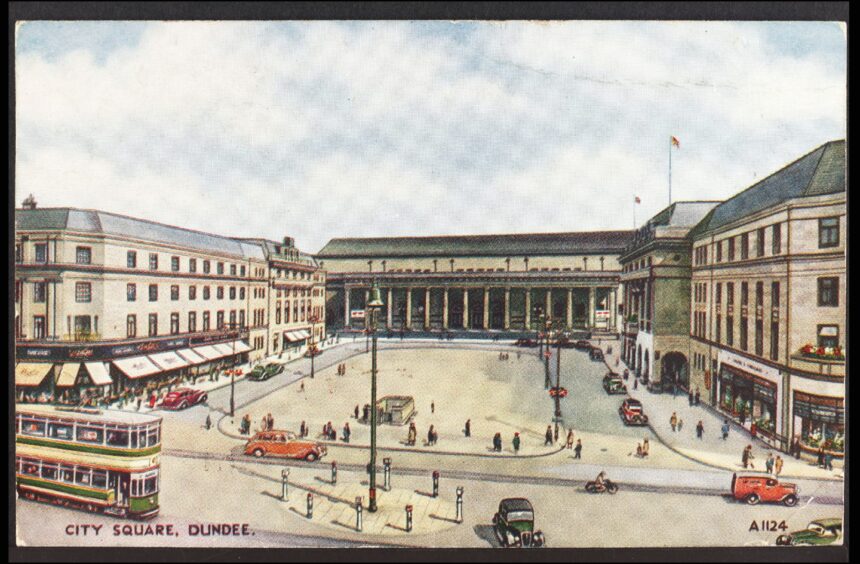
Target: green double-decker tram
(102, 461)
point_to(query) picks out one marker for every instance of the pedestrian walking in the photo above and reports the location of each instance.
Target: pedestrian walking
(646, 447)
(356, 411)
(332, 433)
(302, 387)
(690, 396)
(673, 421)
(820, 457)
(270, 421)
(548, 440)
(303, 430)
(725, 429)
(569, 439)
(795, 447)
(747, 457)
(497, 442)
(412, 435)
(700, 429)
(577, 450)
(468, 428)
(777, 466)
(431, 436)
(346, 432)
(626, 374)
(743, 417)
(245, 426)
(516, 443)
(208, 424)
(680, 424)
(828, 461)
(768, 463)
(697, 397)
(432, 407)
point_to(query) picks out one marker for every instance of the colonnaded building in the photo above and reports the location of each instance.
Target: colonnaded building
(478, 282)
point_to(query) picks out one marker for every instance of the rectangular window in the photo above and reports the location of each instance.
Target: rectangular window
(241, 293)
(93, 435)
(83, 292)
(40, 290)
(219, 292)
(174, 264)
(83, 255)
(232, 292)
(774, 340)
(131, 326)
(192, 265)
(205, 320)
(153, 261)
(220, 268)
(41, 252)
(192, 292)
(759, 243)
(287, 311)
(242, 318)
(774, 294)
(745, 246)
(232, 318)
(39, 327)
(242, 271)
(828, 292)
(828, 232)
(718, 328)
(278, 316)
(153, 324)
(131, 259)
(131, 292)
(206, 267)
(232, 270)
(174, 323)
(828, 335)
(731, 249)
(153, 292)
(759, 337)
(19, 253)
(719, 245)
(205, 292)
(759, 294)
(192, 321)
(219, 320)
(174, 292)
(776, 244)
(744, 334)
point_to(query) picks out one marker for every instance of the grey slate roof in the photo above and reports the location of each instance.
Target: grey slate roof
(95, 221)
(683, 214)
(821, 171)
(479, 245)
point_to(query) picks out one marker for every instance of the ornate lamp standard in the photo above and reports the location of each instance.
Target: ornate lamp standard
(232, 326)
(557, 381)
(546, 323)
(373, 306)
(312, 347)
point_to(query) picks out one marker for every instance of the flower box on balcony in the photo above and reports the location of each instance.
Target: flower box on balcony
(832, 354)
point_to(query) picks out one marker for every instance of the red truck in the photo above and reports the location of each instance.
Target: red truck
(756, 488)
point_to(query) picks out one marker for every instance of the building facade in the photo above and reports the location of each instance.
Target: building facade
(107, 302)
(479, 283)
(768, 317)
(656, 285)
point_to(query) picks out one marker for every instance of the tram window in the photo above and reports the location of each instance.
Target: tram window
(91, 435)
(49, 471)
(99, 479)
(33, 427)
(153, 436)
(83, 476)
(117, 438)
(67, 474)
(134, 439)
(60, 431)
(134, 484)
(31, 467)
(150, 485)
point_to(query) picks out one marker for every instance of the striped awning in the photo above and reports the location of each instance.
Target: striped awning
(98, 373)
(68, 375)
(137, 366)
(241, 347)
(168, 360)
(303, 334)
(208, 352)
(224, 348)
(31, 373)
(191, 356)
(291, 336)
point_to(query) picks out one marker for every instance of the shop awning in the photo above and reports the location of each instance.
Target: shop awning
(137, 366)
(291, 336)
(829, 331)
(208, 352)
(68, 375)
(241, 347)
(168, 360)
(224, 349)
(31, 373)
(98, 373)
(303, 334)
(191, 356)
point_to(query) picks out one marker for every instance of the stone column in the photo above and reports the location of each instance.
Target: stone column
(528, 309)
(548, 305)
(445, 309)
(486, 308)
(591, 307)
(613, 306)
(465, 308)
(507, 309)
(569, 316)
(427, 309)
(390, 309)
(346, 312)
(409, 308)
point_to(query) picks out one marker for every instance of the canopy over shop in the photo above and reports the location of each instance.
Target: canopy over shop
(820, 422)
(748, 398)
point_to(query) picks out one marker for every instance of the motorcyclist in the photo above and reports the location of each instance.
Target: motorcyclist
(600, 481)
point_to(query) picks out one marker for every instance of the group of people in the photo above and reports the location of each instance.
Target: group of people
(341, 369)
(676, 422)
(694, 397)
(505, 356)
(643, 449)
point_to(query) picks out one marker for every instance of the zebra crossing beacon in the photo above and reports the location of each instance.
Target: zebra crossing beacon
(89, 459)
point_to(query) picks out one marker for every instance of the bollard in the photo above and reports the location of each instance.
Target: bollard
(285, 473)
(387, 474)
(358, 510)
(459, 504)
(435, 483)
(310, 506)
(408, 518)
(333, 472)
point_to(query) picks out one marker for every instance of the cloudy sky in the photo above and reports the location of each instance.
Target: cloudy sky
(347, 129)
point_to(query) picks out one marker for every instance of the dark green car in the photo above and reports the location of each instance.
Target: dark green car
(264, 372)
(821, 531)
(614, 385)
(514, 524)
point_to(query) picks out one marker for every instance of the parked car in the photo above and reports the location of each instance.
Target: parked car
(756, 488)
(265, 371)
(526, 343)
(283, 444)
(582, 345)
(631, 412)
(595, 354)
(613, 384)
(514, 524)
(181, 398)
(821, 531)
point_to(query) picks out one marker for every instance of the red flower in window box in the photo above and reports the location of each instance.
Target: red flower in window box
(808, 349)
(820, 351)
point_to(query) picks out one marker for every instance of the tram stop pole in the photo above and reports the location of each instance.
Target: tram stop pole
(435, 483)
(387, 474)
(285, 474)
(310, 506)
(358, 510)
(333, 472)
(459, 517)
(408, 518)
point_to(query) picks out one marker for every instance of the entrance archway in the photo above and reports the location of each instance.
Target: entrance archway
(675, 371)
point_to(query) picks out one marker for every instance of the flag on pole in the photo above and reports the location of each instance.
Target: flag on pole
(675, 142)
(637, 200)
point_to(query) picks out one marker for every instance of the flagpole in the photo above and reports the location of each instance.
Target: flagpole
(670, 170)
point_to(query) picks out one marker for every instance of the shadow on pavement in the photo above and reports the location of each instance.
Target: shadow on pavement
(485, 532)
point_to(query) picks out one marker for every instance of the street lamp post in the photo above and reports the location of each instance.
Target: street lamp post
(374, 305)
(312, 346)
(557, 382)
(231, 327)
(547, 354)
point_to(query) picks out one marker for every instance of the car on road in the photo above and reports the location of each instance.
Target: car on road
(181, 398)
(284, 444)
(595, 354)
(526, 343)
(820, 531)
(613, 384)
(631, 412)
(265, 371)
(313, 351)
(514, 524)
(757, 488)
(582, 345)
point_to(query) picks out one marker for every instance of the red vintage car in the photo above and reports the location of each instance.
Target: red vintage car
(283, 444)
(755, 488)
(182, 398)
(631, 412)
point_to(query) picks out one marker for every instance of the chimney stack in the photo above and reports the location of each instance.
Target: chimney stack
(29, 203)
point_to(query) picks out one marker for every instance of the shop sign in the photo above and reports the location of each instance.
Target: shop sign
(750, 366)
(357, 314)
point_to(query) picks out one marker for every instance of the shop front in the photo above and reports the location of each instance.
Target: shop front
(83, 384)
(820, 422)
(33, 383)
(749, 399)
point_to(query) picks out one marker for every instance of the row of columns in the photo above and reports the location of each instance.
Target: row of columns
(612, 305)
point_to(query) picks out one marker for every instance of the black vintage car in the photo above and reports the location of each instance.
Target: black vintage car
(595, 354)
(526, 343)
(514, 524)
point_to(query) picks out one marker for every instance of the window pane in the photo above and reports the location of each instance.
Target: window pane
(90, 435)
(60, 431)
